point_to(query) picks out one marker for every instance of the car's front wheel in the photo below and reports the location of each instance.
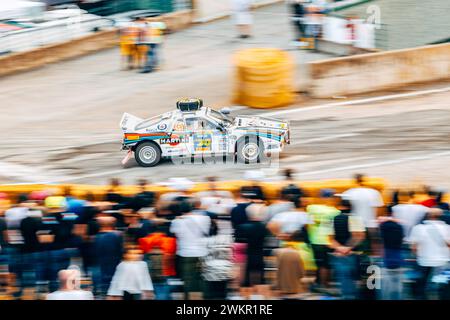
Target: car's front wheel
(249, 150)
(147, 154)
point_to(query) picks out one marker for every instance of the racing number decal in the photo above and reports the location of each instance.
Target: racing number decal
(202, 142)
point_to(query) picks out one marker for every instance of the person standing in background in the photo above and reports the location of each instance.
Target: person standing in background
(131, 279)
(191, 229)
(366, 202)
(297, 18)
(128, 37)
(430, 241)
(347, 233)
(392, 234)
(69, 287)
(151, 36)
(243, 17)
(108, 250)
(322, 215)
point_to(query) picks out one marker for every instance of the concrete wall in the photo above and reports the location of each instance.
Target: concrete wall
(209, 10)
(23, 61)
(379, 71)
(35, 58)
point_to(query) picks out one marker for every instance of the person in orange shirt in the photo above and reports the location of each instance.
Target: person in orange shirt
(129, 34)
(159, 250)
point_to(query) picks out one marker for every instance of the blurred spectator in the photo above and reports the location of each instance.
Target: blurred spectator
(430, 241)
(74, 205)
(242, 17)
(18, 211)
(392, 234)
(407, 212)
(254, 232)
(440, 202)
(144, 198)
(113, 194)
(432, 196)
(69, 287)
(322, 216)
(128, 34)
(131, 279)
(159, 252)
(347, 232)
(217, 266)
(290, 271)
(283, 204)
(190, 230)
(108, 250)
(151, 38)
(366, 202)
(298, 17)
(238, 214)
(292, 191)
(285, 225)
(136, 227)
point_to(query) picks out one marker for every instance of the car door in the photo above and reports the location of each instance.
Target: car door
(204, 135)
(178, 142)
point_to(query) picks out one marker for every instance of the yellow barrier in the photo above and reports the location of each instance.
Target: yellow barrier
(270, 189)
(264, 78)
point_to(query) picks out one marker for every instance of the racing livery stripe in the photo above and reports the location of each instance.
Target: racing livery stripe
(137, 137)
(266, 135)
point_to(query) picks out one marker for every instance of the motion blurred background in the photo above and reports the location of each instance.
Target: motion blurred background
(363, 84)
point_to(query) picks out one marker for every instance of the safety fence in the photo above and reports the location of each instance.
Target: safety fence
(270, 189)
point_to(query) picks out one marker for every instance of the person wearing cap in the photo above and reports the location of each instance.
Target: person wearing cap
(322, 215)
(53, 236)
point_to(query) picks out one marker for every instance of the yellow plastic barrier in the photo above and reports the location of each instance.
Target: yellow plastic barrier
(270, 189)
(264, 78)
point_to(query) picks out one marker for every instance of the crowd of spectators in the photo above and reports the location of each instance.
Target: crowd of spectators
(216, 245)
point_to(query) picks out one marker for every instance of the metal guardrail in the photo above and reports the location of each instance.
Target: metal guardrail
(27, 39)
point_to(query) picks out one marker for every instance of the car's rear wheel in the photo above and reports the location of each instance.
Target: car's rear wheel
(249, 150)
(147, 154)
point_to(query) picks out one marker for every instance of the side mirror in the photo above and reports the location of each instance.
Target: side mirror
(225, 110)
(220, 128)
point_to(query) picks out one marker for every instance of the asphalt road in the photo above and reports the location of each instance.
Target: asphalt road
(61, 123)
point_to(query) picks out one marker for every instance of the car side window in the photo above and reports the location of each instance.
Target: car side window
(199, 124)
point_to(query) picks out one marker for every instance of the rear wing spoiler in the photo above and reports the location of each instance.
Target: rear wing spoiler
(129, 122)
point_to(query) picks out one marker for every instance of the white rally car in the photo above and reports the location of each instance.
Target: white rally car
(193, 129)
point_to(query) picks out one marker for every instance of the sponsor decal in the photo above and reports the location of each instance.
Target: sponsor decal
(162, 126)
(202, 142)
(179, 126)
(174, 140)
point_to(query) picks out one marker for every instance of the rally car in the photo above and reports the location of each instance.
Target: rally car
(194, 129)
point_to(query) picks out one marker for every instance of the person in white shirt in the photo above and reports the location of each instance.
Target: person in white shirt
(408, 213)
(69, 281)
(284, 224)
(430, 241)
(365, 201)
(242, 17)
(131, 280)
(191, 229)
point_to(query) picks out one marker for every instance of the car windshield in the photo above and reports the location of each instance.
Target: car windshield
(222, 118)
